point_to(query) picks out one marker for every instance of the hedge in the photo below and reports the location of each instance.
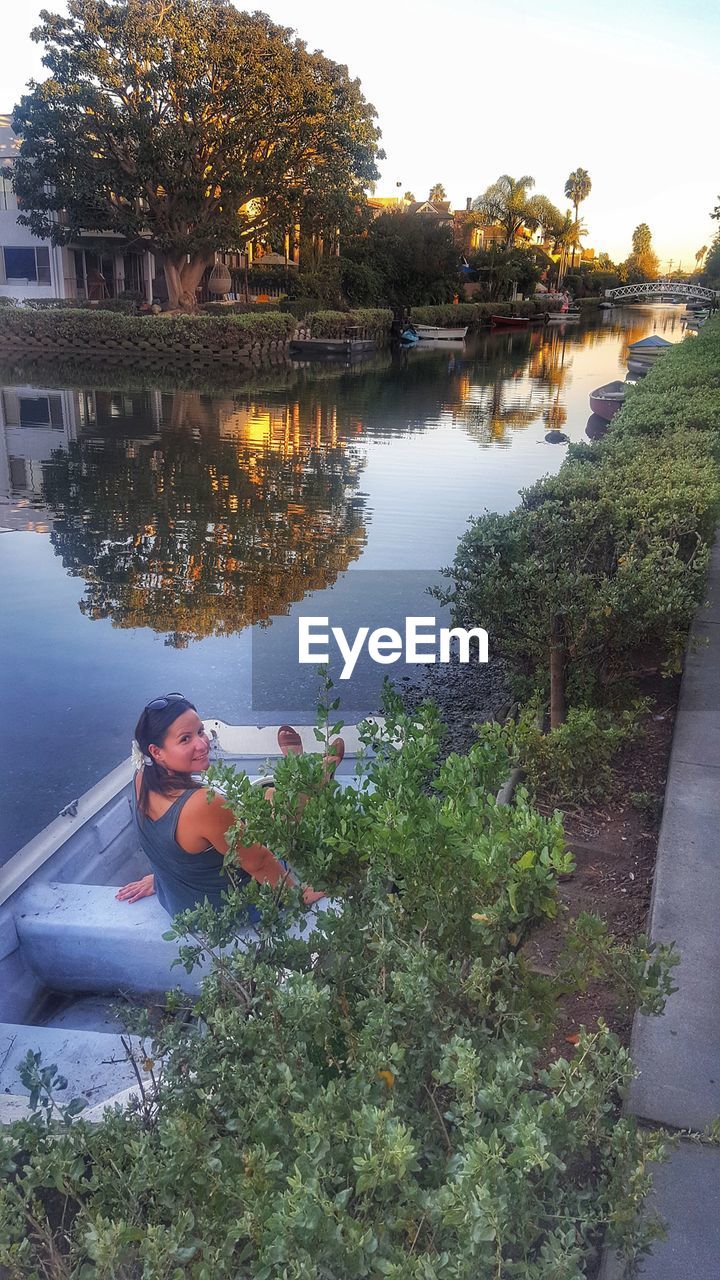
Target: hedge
(127, 304)
(474, 314)
(373, 322)
(599, 570)
(188, 337)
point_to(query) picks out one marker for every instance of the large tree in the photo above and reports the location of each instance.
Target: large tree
(508, 203)
(577, 189)
(437, 192)
(643, 262)
(188, 124)
(404, 260)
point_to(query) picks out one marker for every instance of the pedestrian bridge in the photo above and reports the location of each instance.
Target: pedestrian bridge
(671, 288)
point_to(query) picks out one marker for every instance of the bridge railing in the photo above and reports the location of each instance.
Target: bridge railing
(676, 288)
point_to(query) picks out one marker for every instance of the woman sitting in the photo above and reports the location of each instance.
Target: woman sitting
(182, 831)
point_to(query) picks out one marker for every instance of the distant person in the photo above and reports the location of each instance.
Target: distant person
(181, 830)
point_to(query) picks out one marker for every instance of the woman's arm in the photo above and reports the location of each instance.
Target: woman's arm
(256, 859)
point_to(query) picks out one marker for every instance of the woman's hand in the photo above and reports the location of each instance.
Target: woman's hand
(136, 890)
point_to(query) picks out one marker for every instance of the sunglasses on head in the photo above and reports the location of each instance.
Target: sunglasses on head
(158, 704)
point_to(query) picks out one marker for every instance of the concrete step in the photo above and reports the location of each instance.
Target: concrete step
(94, 1062)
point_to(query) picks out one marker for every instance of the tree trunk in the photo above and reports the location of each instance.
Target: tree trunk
(183, 277)
(557, 674)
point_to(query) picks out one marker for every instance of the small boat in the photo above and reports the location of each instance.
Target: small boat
(605, 306)
(511, 322)
(68, 947)
(436, 333)
(331, 346)
(696, 306)
(561, 317)
(409, 337)
(645, 352)
(605, 401)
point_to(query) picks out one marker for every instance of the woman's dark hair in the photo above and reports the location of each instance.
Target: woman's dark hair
(152, 728)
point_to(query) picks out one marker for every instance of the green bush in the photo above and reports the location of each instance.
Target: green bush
(373, 322)
(474, 314)
(126, 302)
(174, 334)
(301, 307)
(573, 762)
(241, 308)
(378, 1098)
(8, 302)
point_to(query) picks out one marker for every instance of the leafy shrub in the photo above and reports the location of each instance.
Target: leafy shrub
(372, 321)
(125, 302)
(239, 308)
(8, 302)
(174, 334)
(473, 314)
(378, 1097)
(573, 762)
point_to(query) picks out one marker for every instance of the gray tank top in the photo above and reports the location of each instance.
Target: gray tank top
(182, 880)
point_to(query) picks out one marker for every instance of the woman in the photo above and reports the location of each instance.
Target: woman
(182, 831)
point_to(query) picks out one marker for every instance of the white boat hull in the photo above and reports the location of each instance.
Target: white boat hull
(434, 333)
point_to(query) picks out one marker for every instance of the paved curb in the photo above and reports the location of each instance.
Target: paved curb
(677, 1055)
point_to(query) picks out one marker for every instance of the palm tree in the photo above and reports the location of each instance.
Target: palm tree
(577, 189)
(437, 192)
(508, 203)
(568, 235)
(700, 257)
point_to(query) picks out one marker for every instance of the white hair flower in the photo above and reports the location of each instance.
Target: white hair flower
(136, 756)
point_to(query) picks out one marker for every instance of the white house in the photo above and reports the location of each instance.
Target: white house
(35, 268)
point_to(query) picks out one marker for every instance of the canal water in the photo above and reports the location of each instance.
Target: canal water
(158, 538)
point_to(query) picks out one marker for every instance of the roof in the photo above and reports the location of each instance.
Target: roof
(9, 141)
(441, 208)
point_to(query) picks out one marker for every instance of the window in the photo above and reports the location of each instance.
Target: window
(41, 411)
(27, 265)
(8, 199)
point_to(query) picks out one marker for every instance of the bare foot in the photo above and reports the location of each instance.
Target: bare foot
(336, 751)
(289, 740)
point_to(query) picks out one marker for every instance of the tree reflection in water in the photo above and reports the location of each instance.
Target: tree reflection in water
(221, 518)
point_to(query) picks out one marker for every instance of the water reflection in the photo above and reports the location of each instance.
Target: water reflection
(221, 518)
(198, 512)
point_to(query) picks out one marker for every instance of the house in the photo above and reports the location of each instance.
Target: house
(94, 267)
(438, 210)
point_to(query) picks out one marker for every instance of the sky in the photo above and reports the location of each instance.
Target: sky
(466, 90)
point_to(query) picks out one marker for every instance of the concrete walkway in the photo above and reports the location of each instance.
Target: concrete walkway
(678, 1055)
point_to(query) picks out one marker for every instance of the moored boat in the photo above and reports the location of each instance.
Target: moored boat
(510, 322)
(558, 317)
(331, 346)
(643, 354)
(605, 401)
(436, 333)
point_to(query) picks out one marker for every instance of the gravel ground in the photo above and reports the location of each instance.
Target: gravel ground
(465, 693)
